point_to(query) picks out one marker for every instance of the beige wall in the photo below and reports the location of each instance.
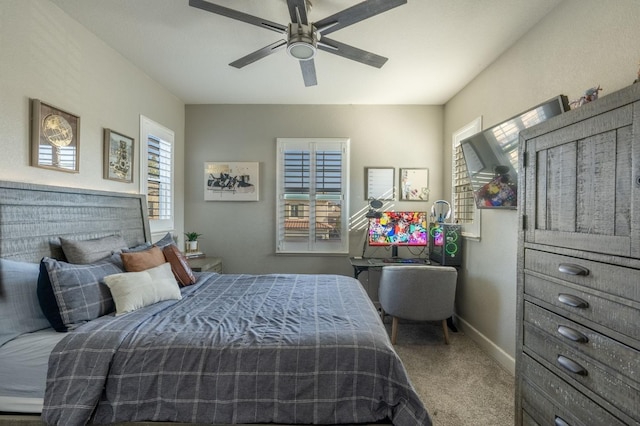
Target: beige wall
(243, 233)
(581, 44)
(47, 55)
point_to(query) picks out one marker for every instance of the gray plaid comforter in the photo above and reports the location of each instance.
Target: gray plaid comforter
(236, 349)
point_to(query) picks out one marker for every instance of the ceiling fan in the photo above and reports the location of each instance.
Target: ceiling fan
(304, 38)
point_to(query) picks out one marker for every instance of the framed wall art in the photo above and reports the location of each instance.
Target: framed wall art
(380, 183)
(118, 156)
(55, 138)
(414, 184)
(231, 181)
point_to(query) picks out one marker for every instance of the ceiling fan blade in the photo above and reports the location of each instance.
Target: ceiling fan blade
(357, 13)
(239, 16)
(301, 7)
(350, 52)
(309, 72)
(259, 54)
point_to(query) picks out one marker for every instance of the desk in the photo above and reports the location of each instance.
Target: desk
(364, 264)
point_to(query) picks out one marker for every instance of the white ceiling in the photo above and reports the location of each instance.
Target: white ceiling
(435, 47)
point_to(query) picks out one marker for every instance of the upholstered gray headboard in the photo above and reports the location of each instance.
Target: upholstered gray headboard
(33, 217)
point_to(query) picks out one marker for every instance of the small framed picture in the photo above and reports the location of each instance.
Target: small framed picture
(414, 184)
(379, 183)
(55, 138)
(118, 156)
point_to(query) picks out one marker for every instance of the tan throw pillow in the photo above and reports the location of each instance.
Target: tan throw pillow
(142, 260)
(179, 265)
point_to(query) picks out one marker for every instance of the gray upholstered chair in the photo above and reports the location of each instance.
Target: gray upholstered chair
(418, 293)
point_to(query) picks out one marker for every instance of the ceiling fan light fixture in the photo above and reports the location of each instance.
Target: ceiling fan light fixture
(302, 41)
(301, 50)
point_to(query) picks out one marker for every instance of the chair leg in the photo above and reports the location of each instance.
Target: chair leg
(394, 330)
(446, 331)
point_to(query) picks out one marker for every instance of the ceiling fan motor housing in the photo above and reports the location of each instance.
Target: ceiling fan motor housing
(302, 41)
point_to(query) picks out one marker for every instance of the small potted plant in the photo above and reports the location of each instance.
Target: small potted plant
(192, 241)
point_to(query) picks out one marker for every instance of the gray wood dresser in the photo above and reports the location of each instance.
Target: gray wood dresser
(578, 331)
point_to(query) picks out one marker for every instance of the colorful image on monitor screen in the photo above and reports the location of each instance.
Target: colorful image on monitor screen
(398, 229)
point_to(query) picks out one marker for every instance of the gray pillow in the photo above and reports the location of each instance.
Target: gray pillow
(165, 241)
(89, 251)
(19, 309)
(79, 290)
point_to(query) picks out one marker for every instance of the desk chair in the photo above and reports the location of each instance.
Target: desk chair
(418, 293)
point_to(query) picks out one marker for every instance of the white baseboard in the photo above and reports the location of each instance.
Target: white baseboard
(504, 359)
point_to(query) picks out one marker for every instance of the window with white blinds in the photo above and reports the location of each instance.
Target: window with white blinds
(464, 211)
(159, 173)
(312, 182)
(156, 170)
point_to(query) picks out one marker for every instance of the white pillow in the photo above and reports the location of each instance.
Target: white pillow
(135, 290)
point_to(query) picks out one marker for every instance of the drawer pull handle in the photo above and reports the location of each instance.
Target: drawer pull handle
(571, 269)
(572, 334)
(571, 365)
(573, 301)
(559, 421)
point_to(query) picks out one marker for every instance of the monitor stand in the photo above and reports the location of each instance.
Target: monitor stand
(394, 252)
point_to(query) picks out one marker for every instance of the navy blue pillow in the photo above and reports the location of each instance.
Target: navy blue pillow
(47, 300)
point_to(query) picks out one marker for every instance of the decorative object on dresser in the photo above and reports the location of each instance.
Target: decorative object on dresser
(55, 138)
(578, 340)
(118, 156)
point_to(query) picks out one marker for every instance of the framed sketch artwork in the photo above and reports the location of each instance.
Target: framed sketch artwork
(414, 184)
(118, 156)
(55, 138)
(231, 181)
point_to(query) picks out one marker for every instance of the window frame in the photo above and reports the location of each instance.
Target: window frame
(469, 230)
(151, 129)
(312, 245)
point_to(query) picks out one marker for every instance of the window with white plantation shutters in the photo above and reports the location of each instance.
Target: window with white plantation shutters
(312, 180)
(463, 201)
(156, 171)
(464, 211)
(159, 197)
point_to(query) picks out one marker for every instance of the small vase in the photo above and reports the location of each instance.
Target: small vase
(192, 246)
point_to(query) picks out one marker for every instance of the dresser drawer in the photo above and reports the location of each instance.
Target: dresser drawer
(610, 279)
(527, 420)
(547, 396)
(539, 410)
(580, 370)
(623, 359)
(619, 318)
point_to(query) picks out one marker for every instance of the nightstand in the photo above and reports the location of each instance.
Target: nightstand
(206, 264)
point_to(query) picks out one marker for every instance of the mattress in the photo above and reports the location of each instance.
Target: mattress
(23, 368)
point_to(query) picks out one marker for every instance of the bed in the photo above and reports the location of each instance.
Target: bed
(226, 348)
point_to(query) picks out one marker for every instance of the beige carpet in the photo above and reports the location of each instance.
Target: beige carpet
(459, 383)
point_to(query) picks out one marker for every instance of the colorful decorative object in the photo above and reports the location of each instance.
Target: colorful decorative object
(589, 95)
